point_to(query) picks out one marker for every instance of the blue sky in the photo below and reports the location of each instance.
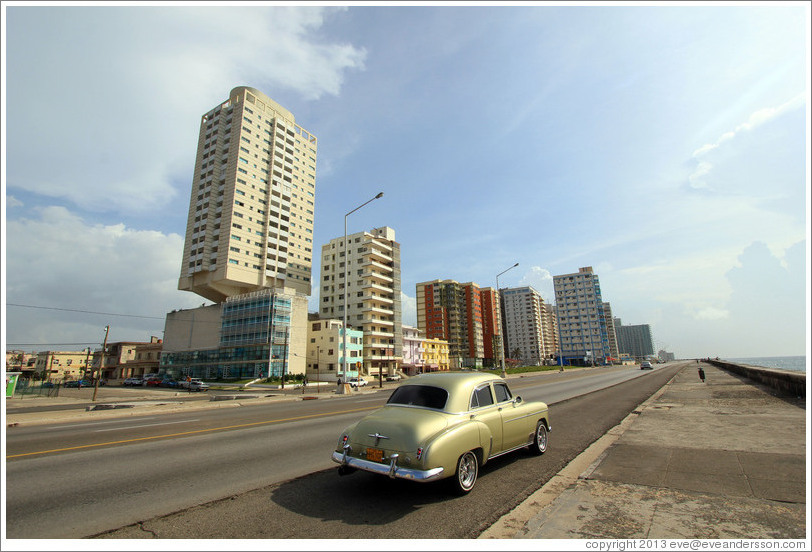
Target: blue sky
(665, 146)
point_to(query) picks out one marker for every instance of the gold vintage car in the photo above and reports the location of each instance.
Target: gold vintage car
(443, 425)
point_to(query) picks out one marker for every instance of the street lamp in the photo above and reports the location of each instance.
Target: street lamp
(501, 335)
(346, 288)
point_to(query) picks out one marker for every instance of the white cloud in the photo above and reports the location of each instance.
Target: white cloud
(541, 280)
(710, 313)
(55, 259)
(756, 119)
(114, 122)
(12, 202)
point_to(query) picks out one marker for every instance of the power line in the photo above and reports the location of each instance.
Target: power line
(84, 311)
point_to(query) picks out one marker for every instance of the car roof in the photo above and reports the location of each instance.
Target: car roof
(458, 384)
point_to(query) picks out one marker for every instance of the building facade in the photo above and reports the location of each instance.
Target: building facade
(522, 314)
(549, 323)
(614, 351)
(62, 365)
(464, 315)
(373, 294)
(635, 340)
(250, 221)
(412, 361)
(325, 347)
(583, 333)
(257, 335)
(435, 355)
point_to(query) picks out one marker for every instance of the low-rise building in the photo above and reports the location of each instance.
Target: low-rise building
(325, 345)
(413, 360)
(62, 365)
(436, 353)
(248, 336)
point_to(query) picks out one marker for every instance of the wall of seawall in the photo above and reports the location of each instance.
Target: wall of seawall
(791, 383)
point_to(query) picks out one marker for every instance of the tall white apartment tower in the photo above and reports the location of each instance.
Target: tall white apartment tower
(522, 310)
(581, 318)
(250, 224)
(373, 294)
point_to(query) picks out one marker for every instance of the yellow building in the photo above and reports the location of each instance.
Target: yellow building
(62, 365)
(435, 355)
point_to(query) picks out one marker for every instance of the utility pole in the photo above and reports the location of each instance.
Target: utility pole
(101, 362)
(87, 363)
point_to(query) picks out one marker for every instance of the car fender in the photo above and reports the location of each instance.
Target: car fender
(444, 449)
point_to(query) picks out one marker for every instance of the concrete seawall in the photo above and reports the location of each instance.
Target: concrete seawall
(784, 381)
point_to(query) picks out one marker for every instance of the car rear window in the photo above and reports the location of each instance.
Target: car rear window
(419, 395)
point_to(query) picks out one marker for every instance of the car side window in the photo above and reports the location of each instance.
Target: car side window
(502, 392)
(482, 397)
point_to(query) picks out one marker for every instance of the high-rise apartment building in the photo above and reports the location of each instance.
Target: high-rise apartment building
(465, 315)
(522, 315)
(614, 352)
(549, 323)
(635, 340)
(249, 245)
(372, 294)
(250, 224)
(582, 326)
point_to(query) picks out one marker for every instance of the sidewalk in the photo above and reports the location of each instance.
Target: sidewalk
(723, 459)
(114, 401)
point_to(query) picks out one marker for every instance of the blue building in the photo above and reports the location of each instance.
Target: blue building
(248, 336)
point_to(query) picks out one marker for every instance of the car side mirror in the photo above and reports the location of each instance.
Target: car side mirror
(518, 400)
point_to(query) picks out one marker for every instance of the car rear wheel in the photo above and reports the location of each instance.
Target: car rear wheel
(467, 471)
(539, 445)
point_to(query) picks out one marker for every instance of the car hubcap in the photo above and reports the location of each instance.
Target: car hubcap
(541, 437)
(467, 471)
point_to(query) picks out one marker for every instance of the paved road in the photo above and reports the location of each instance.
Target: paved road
(363, 506)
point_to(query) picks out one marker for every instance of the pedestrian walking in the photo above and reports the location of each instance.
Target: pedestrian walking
(702, 375)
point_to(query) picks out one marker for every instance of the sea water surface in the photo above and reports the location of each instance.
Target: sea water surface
(792, 363)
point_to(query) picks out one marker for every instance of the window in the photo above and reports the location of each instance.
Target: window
(482, 397)
(502, 392)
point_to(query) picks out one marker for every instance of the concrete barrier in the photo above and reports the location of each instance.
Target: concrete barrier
(784, 381)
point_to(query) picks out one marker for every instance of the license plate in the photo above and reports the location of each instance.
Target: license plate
(375, 455)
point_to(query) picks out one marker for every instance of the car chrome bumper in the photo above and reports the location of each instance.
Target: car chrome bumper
(391, 469)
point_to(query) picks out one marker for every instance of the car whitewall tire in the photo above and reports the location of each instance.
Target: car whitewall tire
(539, 445)
(467, 471)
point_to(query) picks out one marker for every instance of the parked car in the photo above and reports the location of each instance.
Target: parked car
(133, 381)
(186, 382)
(357, 382)
(646, 365)
(197, 385)
(153, 382)
(170, 383)
(443, 425)
(393, 377)
(79, 383)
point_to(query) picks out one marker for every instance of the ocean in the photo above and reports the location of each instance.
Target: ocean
(793, 363)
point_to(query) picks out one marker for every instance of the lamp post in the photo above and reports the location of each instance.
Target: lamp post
(501, 335)
(346, 288)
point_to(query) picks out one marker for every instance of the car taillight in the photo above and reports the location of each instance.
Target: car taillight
(419, 452)
(344, 439)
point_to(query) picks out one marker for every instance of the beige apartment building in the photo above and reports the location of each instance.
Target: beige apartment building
(372, 294)
(62, 365)
(325, 344)
(250, 222)
(522, 319)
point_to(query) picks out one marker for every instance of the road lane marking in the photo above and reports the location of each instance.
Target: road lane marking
(145, 425)
(253, 424)
(96, 423)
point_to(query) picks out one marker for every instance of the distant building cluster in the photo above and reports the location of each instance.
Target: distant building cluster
(249, 249)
